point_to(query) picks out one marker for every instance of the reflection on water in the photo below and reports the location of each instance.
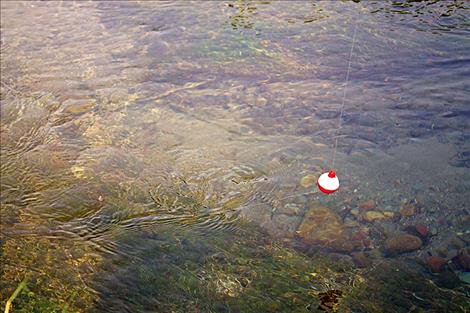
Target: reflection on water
(162, 156)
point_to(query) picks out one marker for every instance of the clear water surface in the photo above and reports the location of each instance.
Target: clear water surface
(162, 156)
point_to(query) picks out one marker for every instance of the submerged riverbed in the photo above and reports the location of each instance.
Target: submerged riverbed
(162, 156)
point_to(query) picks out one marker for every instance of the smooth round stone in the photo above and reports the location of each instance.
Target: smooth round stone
(78, 106)
(403, 243)
(355, 212)
(372, 216)
(408, 210)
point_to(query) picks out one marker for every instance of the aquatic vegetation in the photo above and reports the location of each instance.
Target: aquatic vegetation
(391, 285)
(330, 300)
(14, 295)
(56, 275)
(216, 274)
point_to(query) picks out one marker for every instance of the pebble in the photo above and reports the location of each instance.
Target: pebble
(360, 235)
(119, 95)
(261, 101)
(355, 212)
(436, 264)
(403, 243)
(373, 216)
(78, 106)
(368, 205)
(408, 210)
(422, 230)
(307, 181)
(351, 223)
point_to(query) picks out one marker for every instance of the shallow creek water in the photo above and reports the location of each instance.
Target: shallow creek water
(162, 156)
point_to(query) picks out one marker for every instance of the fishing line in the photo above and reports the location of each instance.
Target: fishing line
(328, 182)
(344, 98)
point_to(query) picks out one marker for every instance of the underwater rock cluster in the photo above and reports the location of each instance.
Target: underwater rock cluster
(323, 227)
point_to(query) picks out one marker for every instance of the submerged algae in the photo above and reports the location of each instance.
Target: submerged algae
(220, 274)
(392, 286)
(63, 289)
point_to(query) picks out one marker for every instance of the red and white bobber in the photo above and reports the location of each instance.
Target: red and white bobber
(328, 182)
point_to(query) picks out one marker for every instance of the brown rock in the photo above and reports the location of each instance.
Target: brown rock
(361, 259)
(323, 227)
(308, 181)
(368, 205)
(78, 106)
(359, 236)
(408, 210)
(351, 223)
(403, 243)
(372, 216)
(436, 264)
(422, 230)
